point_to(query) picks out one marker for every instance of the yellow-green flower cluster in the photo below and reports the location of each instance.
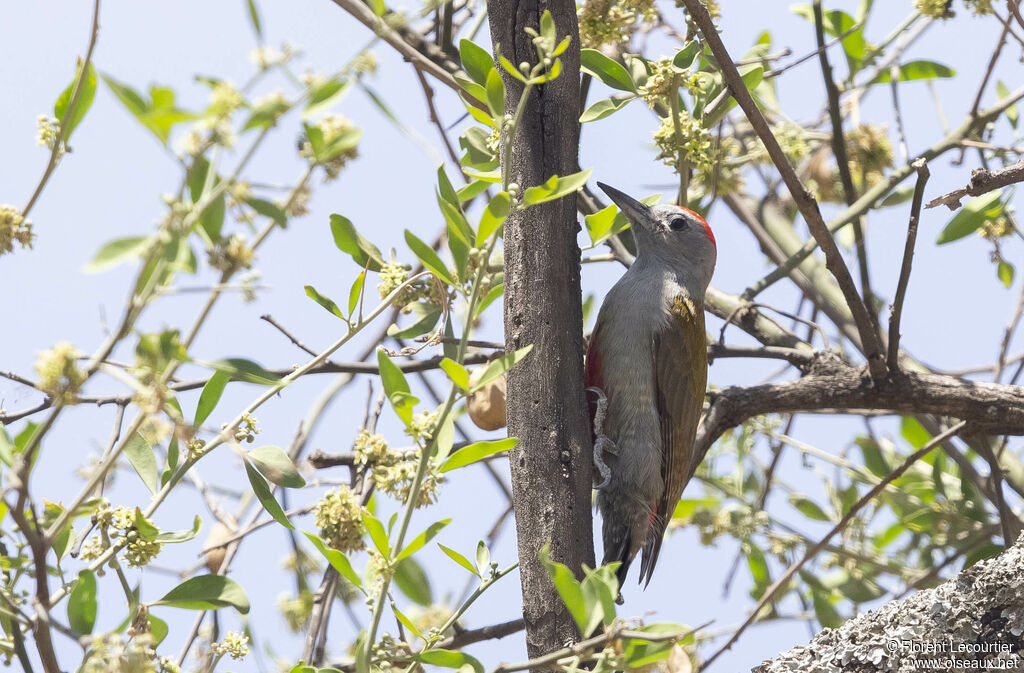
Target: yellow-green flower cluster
(422, 427)
(723, 176)
(738, 521)
(997, 228)
(394, 274)
(139, 551)
(247, 429)
(235, 644)
(340, 520)
(663, 81)
(109, 653)
(693, 141)
(943, 9)
(365, 62)
(231, 254)
(59, 376)
(267, 57)
(48, 132)
(224, 100)
(296, 609)
(612, 22)
(870, 152)
(332, 127)
(393, 473)
(14, 228)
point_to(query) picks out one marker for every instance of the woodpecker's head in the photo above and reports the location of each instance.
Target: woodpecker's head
(668, 233)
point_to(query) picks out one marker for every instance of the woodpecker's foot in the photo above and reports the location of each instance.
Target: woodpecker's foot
(601, 441)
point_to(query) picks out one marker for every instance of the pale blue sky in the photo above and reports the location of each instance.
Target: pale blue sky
(110, 185)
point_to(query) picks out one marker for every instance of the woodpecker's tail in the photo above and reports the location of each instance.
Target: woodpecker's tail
(618, 549)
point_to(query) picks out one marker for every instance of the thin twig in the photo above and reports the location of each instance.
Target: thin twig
(270, 319)
(908, 255)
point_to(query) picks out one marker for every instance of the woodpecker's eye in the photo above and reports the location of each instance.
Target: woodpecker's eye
(678, 223)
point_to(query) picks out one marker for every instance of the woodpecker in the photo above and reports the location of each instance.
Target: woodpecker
(646, 374)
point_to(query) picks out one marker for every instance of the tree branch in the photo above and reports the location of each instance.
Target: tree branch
(982, 182)
(908, 256)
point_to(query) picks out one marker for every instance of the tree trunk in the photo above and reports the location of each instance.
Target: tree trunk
(974, 618)
(551, 466)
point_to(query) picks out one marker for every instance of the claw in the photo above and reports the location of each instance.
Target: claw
(601, 442)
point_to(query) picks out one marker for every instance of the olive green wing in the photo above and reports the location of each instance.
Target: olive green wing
(681, 371)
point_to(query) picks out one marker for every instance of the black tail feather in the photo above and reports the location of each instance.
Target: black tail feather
(620, 553)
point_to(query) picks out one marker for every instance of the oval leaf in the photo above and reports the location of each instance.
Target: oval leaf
(207, 592)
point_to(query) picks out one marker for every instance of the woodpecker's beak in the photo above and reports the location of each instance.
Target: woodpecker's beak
(636, 212)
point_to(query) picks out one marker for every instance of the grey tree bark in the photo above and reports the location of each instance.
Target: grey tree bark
(973, 621)
(551, 466)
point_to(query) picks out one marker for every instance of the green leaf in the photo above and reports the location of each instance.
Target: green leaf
(604, 108)
(825, 611)
(377, 533)
(269, 209)
(495, 94)
(212, 217)
(396, 387)
(140, 455)
(274, 464)
(471, 190)
(176, 536)
(808, 508)
(207, 592)
(267, 112)
(429, 258)
(324, 301)
(600, 587)
(85, 98)
(972, 216)
(499, 366)
(685, 57)
(159, 114)
(459, 558)
(427, 315)
(476, 60)
(456, 372)
(449, 659)
(758, 567)
(493, 217)
(916, 70)
(158, 629)
(912, 431)
(82, 603)
(901, 195)
(323, 96)
(478, 451)
(555, 188)
(117, 251)
(483, 558)
(609, 71)
(355, 292)
(423, 538)
(408, 623)
(337, 560)
(240, 369)
(874, 459)
(1012, 112)
(210, 396)
(262, 490)
(349, 241)
(254, 17)
(413, 581)
(511, 69)
(1004, 271)
(568, 588)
